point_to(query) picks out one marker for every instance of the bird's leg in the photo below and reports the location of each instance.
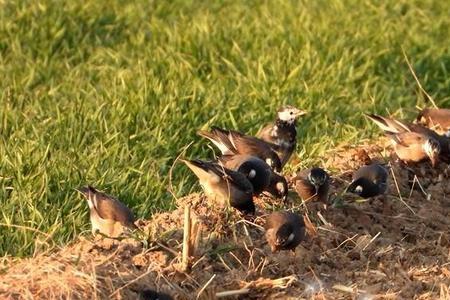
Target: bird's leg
(387, 207)
(294, 255)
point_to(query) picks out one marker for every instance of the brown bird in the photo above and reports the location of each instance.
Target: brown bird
(108, 215)
(278, 186)
(284, 230)
(256, 170)
(233, 142)
(436, 118)
(312, 184)
(369, 181)
(223, 185)
(283, 132)
(412, 142)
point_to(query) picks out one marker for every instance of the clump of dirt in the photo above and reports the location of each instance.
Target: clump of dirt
(396, 246)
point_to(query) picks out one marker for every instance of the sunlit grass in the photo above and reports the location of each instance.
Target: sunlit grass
(109, 92)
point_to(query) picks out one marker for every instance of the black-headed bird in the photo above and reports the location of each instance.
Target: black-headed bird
(278, 186)
(283, 132)
(312, 184)
(284, 230)
(234, 142)
(256, 170)
(224, 186)
(369, 181)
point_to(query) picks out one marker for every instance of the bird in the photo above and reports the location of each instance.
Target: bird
(436, 118)
(312, 184)
(369, 181)
(412, 142)
(283, 132)
(223, 185)
(148, 294)
(284, 230)
(256, 170)
(234, 142)
(278, 186)
(108, 215)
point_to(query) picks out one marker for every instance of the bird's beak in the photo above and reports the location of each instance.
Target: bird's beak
(316, 187)
(434, 161)
(301, 112)
(273, 248)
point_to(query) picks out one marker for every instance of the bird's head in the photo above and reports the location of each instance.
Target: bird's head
(433, 149)
(318, 177)
(289, 114)
(281, 187)
(274, 162)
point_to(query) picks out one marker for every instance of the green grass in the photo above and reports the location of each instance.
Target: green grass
(109, 92)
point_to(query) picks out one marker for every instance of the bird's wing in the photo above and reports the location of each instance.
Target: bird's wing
(266, 133)
(388, 124)
(220, 138)
(409, 139)
(110, 208)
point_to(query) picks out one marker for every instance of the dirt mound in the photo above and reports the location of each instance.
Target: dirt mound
(396, 247)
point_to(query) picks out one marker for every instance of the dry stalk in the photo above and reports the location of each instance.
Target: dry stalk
(251, 223)
(417, 79)
(347, 289)
(416, 179)
(398, 189)
(232, 293)
(149, 270)
(371, 241)
(186, 239)
(325, 222)
(170, 188)
(250, 240)
(237, 259)
(205, 286)
(223, 262)
(343, 243)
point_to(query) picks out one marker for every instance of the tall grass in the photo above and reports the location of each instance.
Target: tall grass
(109, 92)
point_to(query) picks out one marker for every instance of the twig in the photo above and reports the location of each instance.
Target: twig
(237, 259)
(223, 262)
(149, 270)
(341, 244)
(170, 188)
(232, 293)
(248, 235)
(398, 190)
(371, 241)
(186, 239)
(175, 253)
(417, 79)
(205, 286)
(416, 179)
(251, 223)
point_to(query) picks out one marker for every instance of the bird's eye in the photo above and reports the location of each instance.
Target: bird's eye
(292, 113)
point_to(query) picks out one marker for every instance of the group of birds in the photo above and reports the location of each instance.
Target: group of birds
(251, 165)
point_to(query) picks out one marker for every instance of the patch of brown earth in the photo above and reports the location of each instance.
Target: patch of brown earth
(395, 247)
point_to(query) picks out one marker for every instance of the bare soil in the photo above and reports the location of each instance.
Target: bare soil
(395, 247)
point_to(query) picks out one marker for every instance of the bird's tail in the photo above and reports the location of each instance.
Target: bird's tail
(220, 138)
(388, 124)
(202, 169)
